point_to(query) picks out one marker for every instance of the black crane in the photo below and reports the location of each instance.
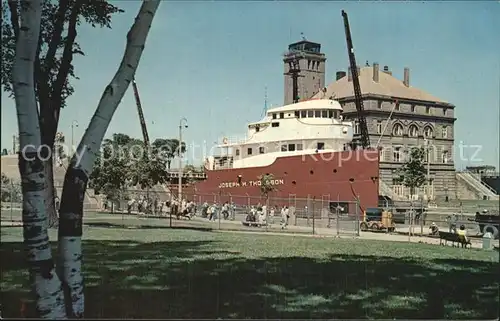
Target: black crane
(141, 115)
(363, 128)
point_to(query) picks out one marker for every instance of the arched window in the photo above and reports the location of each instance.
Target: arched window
(397, 130)
(428, 132)
(413, 131)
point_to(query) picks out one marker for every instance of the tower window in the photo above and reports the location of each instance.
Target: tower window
(412, 108)
(427, 110)
(379, 127)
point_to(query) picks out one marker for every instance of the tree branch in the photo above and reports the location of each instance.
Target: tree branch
(51, 110)
(14, 17)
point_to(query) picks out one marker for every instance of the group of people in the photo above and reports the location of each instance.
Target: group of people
(259, 214)
(155, 206)
(212, 211)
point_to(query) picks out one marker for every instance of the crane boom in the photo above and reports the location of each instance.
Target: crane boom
(365, 139)
(141, 114)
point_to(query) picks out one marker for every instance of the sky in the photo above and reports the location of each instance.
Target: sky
(211, 62)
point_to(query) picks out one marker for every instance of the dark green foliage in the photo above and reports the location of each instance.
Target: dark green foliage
(125, 161)
(413, 173)
(54, 69)
(167, 149)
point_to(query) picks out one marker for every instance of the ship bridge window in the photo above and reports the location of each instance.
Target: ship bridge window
(310, 113)
(261, 150)
(274, 115)
(284, 148)
(275, 124)
(249, 151)
(317, 113)
(320, 146)
(291, 147)
(282, 115)
(303, 113)
(297, 114)
(237, 152)
(299, 147)
(324, 114)
(257, 128)
(330, 113)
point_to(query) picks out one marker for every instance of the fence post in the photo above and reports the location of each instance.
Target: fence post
(357, 216)
(313, 214)
(219, 209)
(170, 209)
(337, 222)
(12, 202)
(410, 227)
(421, 217)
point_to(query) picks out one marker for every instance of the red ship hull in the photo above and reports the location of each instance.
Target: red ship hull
(339, 176)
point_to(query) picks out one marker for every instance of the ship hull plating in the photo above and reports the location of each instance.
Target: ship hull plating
(340, 176)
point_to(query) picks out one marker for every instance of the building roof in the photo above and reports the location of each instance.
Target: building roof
(387, 85)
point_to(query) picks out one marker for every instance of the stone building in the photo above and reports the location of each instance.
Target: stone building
(311, 63)
(400, 117)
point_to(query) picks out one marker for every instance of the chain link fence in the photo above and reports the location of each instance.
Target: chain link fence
(319, 216)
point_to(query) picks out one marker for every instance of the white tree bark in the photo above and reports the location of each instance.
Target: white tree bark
(46, 284)
(75, 182)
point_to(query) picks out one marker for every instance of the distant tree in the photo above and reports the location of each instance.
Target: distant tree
(168, 149)
(11, 192)
(412, 173)
(4, 152)
(266, 185)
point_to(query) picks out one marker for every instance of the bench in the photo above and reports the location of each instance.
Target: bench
(256, 224)
(444, 237)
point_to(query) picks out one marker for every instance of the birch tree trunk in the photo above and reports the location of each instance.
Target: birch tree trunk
(79, 170)
(45, 282)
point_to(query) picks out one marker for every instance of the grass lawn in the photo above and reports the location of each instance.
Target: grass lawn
(169, 273)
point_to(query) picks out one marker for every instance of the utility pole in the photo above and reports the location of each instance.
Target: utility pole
(427, 143)
(181, 125)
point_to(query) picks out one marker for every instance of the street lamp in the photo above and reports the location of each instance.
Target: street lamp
(427, 143)
(182, 124)
(74, 124)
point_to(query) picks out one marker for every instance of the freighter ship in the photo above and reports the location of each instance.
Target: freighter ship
(304, 146)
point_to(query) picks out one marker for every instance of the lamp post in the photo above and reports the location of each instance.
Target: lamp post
(428, 170)
(74, 124)
(182, 124)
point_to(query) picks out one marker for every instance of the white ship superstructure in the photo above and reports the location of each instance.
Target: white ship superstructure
(308, 127)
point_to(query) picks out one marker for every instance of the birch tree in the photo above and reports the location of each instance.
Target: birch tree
(53, 70)
(77, 175)
(45, 282)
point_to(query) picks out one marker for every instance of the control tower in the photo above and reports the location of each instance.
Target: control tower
(307, 56)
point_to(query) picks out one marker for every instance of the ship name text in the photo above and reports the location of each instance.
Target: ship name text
(250, 183)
